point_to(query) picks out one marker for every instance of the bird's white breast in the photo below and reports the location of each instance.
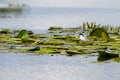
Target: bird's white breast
(83, 38)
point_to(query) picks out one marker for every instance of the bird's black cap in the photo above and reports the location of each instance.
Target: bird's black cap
(80, 34)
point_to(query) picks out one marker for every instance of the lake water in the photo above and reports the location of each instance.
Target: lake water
(46, 67)
(36, 18)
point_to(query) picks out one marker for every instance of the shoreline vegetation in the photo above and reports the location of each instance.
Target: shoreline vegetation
(63, 41)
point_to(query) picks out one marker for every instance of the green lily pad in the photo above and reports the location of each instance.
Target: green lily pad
(105, 37)
(58, 47)
(54, 42)
(46, 51)
(116, 59)
(5, 31)
(55, 28)
(27, 40)
(101, 33)
(34, 49)
(23, 34)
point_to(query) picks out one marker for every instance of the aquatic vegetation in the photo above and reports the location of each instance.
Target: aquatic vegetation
(57, 47)
(13, 8)
(66, 37)
(23, 34)
(4, 31)
(71, 30)
(34, 49)
(91, 25)
(62, 37)
(116, 59)
(55, 28)
(103, 58)
(54, 42)
(28, 40)
(100, 33)
(6, 10)
(103, 55)
(76, 52)
(105, 37)
(113, 32)
(46, 51)
(62, 40)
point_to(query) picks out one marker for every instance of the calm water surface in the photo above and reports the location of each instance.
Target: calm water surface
(46, 67)
(37, 18)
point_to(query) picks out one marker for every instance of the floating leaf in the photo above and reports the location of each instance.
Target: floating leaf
(54, 42)
(55, 28)
(34, 49)
(5, 31)
(101, 33)
(116, 59)
(103, 55)
(27, 40)
(105, 37)
(23, 34)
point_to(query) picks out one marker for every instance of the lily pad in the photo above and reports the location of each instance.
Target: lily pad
(5, 31)
(101, 33)
(105, 37)
(54, 42)
(27, 40)
(46, 51)
(55, 28)
(34, 49)
(23, 34)
(59, 47)
(116, 59)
